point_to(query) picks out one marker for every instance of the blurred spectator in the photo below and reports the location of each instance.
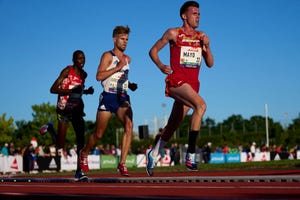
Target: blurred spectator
(107, 150)
(96, 151)
(257, 150)
(4, 150)
(11, 149)
(18, 151)
(207, 152)
(264, 148)
(53, 151)
(253, 149)
(40, 151)
(113, 150)
(274, 147)
(68, 150)
(118, 152)
(28, 159)
(218, 149)
(73, 151)
(101, 149)
(278, 149)
(240, 148)
(174, 152)
(34, 142)
(225, 149)
(43, 151)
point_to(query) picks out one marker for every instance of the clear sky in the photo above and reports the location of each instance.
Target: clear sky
(256, 46)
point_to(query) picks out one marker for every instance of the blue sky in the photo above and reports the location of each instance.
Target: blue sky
(255, 45)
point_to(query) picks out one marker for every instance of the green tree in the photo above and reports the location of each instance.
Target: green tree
(43, 113)
(295, 126)
(6, 129)
(25, 131)
(294, 131)
(207, 126)
(184, 127)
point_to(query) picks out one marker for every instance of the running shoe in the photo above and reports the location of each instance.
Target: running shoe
(123, 170)
(190, 161)
(48, 128)
(80, 176)
(83, 162)
(43, 129)
(150, 163)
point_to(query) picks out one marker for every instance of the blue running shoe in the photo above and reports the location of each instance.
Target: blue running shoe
(80, 176)
(190, 161)
(49, 128)
(150, 163)
(43, 129)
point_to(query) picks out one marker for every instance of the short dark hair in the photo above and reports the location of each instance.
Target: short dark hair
(76, 53)
(186, 5)
(121, 30)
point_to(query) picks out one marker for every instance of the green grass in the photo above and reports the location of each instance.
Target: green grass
(281, 164)
(274, 165)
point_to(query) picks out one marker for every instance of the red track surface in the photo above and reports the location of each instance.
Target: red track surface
(168, 190)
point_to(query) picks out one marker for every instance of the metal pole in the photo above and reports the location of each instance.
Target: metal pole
(267, 125)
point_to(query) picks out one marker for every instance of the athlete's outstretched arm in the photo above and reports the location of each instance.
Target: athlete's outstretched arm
(167, 37)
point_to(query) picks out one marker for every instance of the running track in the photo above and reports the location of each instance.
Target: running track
(245, 185)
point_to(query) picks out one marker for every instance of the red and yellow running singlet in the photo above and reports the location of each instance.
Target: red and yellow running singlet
(185, 57)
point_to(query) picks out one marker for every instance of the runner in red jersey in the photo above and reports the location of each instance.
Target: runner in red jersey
(69, 86)
(187, 48)
(186, 55)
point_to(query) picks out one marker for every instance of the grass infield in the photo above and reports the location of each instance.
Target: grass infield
(249, 166)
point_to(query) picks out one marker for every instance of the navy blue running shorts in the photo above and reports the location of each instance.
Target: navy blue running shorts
(111, 102)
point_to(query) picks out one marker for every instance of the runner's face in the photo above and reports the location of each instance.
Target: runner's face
(193, 16)
(79, 60)
(121, 41)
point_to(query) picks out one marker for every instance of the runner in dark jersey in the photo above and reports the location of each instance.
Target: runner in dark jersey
(70, 86)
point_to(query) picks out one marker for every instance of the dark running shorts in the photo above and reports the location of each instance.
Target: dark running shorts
(111, 102)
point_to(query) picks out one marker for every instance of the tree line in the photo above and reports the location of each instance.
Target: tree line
(233, 131)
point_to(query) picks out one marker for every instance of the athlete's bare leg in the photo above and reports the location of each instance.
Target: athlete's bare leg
(191, 99)
(124, 114)
(61, 134)
(178, 113)
(101, 124)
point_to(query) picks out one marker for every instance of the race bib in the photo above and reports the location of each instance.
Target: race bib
(190, 56)
(118, 83)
